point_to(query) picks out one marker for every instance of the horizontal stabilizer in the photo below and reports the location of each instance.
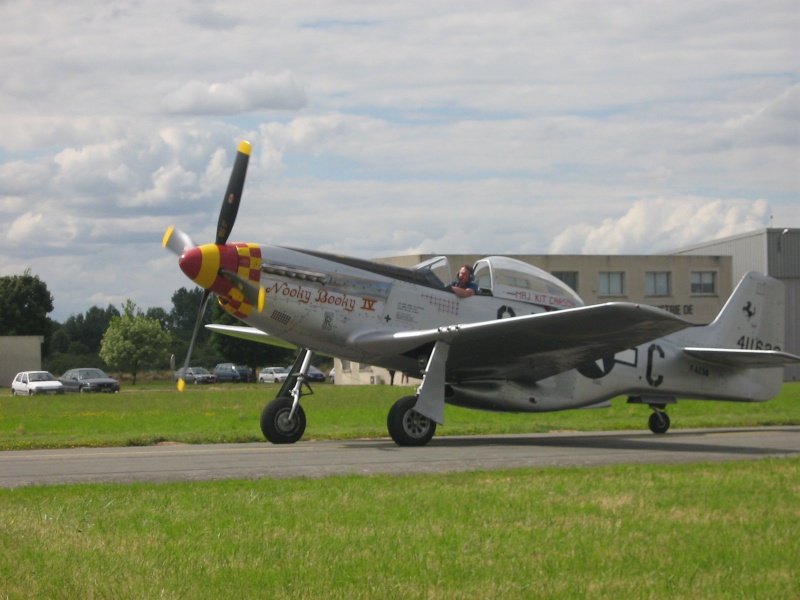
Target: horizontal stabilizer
(743, 359)
(252, 334)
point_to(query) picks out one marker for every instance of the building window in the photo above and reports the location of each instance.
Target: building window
(568, 277)
(346, 365)
(658, 283)
(611, 283)
(704, 282)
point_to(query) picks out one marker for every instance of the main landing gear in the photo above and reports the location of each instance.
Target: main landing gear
(412, 420)
(283, 421)
(279, 424)
(408, 427)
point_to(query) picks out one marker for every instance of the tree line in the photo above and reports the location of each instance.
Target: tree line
(126, 339)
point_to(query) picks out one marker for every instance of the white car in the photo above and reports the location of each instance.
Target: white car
(273, 375)
(32, 383)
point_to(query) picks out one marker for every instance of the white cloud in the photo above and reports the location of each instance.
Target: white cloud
(254, 92)
(658, 225)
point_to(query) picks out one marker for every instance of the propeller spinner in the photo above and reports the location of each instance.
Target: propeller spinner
(181, 244)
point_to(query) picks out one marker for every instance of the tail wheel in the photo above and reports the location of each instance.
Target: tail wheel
(276, 425)
(408, 427)
(658, 422)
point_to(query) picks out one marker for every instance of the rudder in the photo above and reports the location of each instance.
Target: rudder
(753, 317)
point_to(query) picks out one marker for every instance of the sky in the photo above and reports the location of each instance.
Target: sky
(387, 128)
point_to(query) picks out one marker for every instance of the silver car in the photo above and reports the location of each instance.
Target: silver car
(273, 375)
(194, 375)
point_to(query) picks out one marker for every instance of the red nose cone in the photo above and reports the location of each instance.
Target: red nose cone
(190, 262)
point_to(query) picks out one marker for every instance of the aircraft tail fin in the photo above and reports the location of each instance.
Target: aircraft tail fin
(753, 317)
(747, 340)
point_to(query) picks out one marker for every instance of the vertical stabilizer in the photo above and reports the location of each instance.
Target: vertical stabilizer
(753, 317)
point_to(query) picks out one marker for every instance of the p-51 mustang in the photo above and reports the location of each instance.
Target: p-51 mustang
(524, 342)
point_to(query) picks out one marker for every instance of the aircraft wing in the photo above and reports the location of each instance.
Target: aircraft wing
(533, 347)
(252, 334)
(743, 359)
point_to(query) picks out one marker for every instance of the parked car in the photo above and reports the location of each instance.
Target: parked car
(32, 383)
(273, 375)
(226, 372)
(314, 374)
(194, 375)
(88, 380)
(246, 373)
(332, 375)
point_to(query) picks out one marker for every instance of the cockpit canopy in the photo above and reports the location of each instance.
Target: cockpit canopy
(505, 277)
(509, 278)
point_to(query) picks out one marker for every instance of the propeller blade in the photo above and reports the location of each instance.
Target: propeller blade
(177, 241)
(233, 195)
(254, 294)
(197, 324)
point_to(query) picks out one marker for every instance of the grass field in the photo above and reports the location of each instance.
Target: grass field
(729, 530)
(213, 414)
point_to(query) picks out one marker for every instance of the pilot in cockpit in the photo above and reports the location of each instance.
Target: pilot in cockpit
(465, 285)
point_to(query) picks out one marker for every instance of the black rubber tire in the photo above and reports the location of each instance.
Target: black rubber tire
(276, 426)
(658, 422)
(406, 426)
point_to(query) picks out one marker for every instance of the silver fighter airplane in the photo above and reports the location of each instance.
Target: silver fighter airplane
(523, 342)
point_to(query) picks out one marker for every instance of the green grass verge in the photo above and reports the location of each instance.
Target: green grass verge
(688, 531)
(231, 414)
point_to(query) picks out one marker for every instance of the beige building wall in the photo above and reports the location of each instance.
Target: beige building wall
(19, 353)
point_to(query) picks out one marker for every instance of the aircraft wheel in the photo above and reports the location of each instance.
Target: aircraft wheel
(406, 426)
(276, 425)
(659, 422)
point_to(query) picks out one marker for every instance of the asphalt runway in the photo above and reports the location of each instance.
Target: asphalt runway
(166, 463)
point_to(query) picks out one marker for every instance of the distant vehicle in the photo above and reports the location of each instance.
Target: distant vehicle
(33, 383)
(332, 374)
(314, 374)
(88, 380)
(194, 375)
(273, 375)
(246, 373)
(227, 372)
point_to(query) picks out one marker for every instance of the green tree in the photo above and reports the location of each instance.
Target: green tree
(182, 317)
(82, 334)
(185, 304)
(134, 341)
(24, 304)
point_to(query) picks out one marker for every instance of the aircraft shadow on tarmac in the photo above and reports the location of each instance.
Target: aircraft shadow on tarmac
(642, 442)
